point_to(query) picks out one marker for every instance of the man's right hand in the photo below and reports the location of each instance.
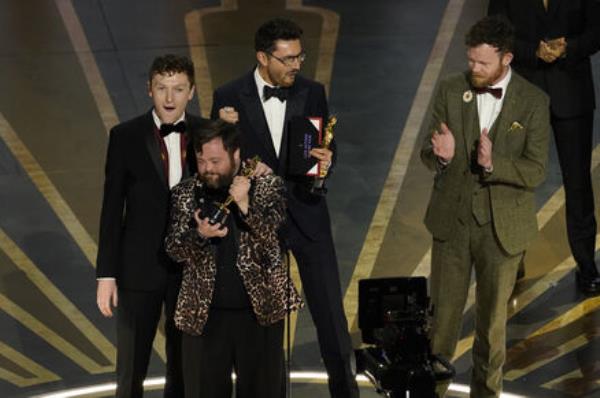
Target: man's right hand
(206, 230)
(443, 144)
(106, 294)
(261, 169)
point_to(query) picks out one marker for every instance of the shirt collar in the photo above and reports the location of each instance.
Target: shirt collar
(260, 83)
(158, 122)
(503, 84)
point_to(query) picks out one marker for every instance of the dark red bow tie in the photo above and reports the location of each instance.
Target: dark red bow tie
(168, 128)
(495, 91)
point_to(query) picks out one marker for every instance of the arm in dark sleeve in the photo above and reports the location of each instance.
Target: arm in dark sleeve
(587, 42)
(438, 116)
(526, 52)
(113, 207)
(216, 105)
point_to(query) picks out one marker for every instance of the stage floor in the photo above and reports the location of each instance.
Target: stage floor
(72, 69)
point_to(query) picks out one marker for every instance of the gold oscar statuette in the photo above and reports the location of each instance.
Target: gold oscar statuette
(319, 181)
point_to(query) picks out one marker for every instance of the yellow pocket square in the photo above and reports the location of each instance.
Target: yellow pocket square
(515, 126)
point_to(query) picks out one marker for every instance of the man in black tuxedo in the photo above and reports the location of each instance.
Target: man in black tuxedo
(146, 157)
(555, 39)
(264, 101)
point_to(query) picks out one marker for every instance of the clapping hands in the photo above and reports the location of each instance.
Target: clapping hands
(443, 144)
(549, 51)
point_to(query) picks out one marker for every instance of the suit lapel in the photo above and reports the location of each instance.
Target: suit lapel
(552, 7)
(502, 124)
(470, 122)
(190, 157)
(540, 11)
(153, 148)
(252, 105)
(295, 107)
(544, 14)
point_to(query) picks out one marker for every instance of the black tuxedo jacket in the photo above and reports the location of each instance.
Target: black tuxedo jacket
(135, 207)
(568, 81)
(306, 98)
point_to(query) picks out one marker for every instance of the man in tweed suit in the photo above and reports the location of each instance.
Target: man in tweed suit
(488, 149)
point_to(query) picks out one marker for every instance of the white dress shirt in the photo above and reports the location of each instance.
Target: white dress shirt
(488, 106)
(173, 144)
(274, 112)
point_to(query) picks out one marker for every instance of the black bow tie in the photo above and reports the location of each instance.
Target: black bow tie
(495, 91)
(277, 92)
(168, 128)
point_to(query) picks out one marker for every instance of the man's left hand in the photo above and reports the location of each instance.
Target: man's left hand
(229, 114)
(324, 156)
(239, 191)
(558, 46)
(484, 150)
(545, 53)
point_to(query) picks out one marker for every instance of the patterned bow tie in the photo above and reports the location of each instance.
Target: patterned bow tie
(168, 128)
(277, 92)
(495, 91)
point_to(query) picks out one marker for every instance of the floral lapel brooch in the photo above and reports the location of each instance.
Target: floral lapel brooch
(515, 126)
(467, 96)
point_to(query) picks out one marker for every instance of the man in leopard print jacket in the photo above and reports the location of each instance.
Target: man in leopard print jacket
(235, 291)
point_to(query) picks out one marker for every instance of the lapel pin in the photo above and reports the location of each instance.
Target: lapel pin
(468, 96)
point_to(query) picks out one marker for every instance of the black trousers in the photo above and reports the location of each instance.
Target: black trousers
(317, 264)
(138, 314)
(574, 146)
(233, 340)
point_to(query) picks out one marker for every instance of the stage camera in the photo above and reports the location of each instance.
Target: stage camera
(394, 316)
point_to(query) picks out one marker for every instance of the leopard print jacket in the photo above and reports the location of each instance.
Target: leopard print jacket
(260, 259)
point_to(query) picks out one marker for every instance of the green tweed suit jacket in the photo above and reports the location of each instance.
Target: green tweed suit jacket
(519, 154)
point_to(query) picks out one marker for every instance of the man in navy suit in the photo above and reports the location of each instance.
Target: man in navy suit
(146, 157)
(554, 42)
(264, 101)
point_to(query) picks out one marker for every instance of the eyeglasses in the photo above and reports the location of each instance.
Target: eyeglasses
(290, 60)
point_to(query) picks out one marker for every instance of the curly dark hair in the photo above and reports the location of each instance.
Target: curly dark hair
(211, 129)
(169, 64)
(273, 30)
(495, 31)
